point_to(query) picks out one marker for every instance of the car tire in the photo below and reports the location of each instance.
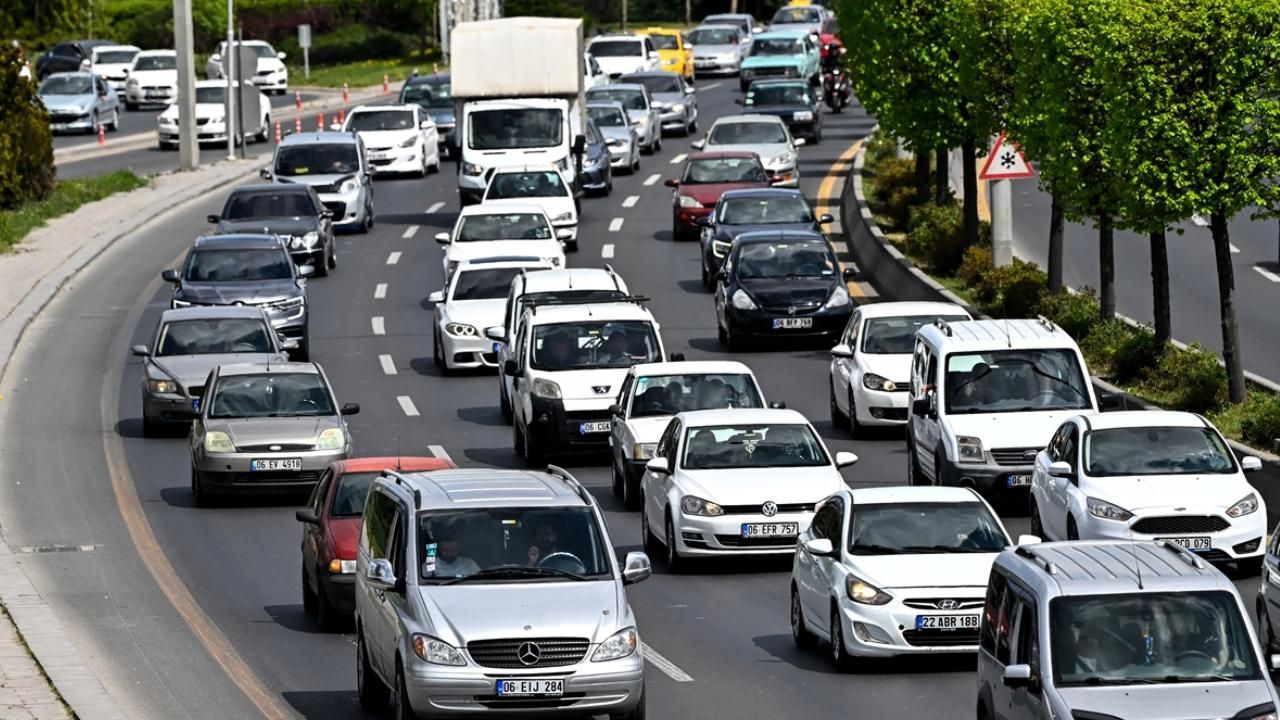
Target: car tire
(801, 635)
(322, 265)
(1033, 510)
(533, 457)
(983, 712)
(838, 418)
(370, 689)
(630, 491)
(265, 131)
(914, 475)
(1266, 633)
(743, 85)
(402, 709)
(114, 125)
(150, 428)
(97, 123)
(618, 479)
(333, 255)
(937, 469)
(731, 340)
(706, 277)
(571, 246)
(200, 494)
(693, 126)
(855, 428)
(635, 164)
(647, 539)
(504, 403)
(657, 141)
(437, 355)
(367, 225)
(517, 440)
(675, 563)
(308, 597)
(638, 713)
(839, 653)
(326, 614)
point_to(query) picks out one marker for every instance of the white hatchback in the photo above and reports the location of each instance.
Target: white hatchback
(497, 230)
(472, 301)
(541, 185)
(397, 138)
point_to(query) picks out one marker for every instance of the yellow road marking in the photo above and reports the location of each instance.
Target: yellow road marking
(838, 169)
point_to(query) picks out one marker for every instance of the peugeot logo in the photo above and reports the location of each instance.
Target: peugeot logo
(770, 508)
(600, 389)
(948, 604)
(529, 654)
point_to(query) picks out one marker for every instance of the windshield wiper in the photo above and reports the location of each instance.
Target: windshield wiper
(873, 549)
(945, 549)
(515, 571)
(1095, 680)
(1197, 678)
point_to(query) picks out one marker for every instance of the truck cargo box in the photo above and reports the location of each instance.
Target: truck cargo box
(517, 57)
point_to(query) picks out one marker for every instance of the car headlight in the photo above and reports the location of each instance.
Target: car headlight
(720, 248)
(331, 439)
(1107, 511)
(872, 381)
(310, 239)
(643, 451)
(783, 159)
(688, 202)
(167, 386)
(460, 329)
(694, 505)
(471, 169)
(1246, 506)
(132, 82)
(864, 593)
(546, 389)
(839, 298)
(678, 107)
(726, 57)
(349, 186)
(218, 442)
(436, 651)
(342, 567)
(563, 217)
(619, 645)
(969, 449)
(217, 119)
(742, 301)
(644, 120)
(802, 116)
(288, 305)
(555, 261)
(409, 141)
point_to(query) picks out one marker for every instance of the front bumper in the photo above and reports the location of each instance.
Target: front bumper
(705, 65)
(620, 157)
(711, 536)
(339, 590)
(1243, 537)
(68, 124)
(675, 120)
(348, 208)
(759, 322)
(985, 477)
(686, 218)
(396, 159)
(173, 408)
(230, 471)
(143, 95)
(877, 407)
(890, 629)
(276, 81)
(596, 177)
(555, 429)
(470, 351)
(572, 227)
(788, 176)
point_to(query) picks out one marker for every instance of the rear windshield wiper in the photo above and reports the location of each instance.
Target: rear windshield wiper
(515, 571)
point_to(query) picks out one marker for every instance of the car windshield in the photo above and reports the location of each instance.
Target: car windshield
(594, 344)
(662, 41)
(724, 170)
(508, 226)
(544, 183)
(66, 85)
(797, 15)
(317, 159)
(607, 116)
(776, 46)
(114, 57)
(630, 99)
(515, 128)
(271, 395)
(778, 94)
(211, 95)
(713, 36)
(658, 83)
(742, 24)
(616, 48)
(246, 205)
(777, 210)
(747, 133)
(1156, 451)
(1149, 638)
(213, 336)
(371, 121)
(511, 544)
(1015, 381)
(156, 62)
(352, 491)
(483, 284)
(428, 95)
(903, 528)
(261, 50)
(897, 335)
(659, 395)
(217, 265)
(725, 447)
(786, 259)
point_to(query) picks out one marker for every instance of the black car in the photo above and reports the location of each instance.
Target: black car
(781, 284)
(740, 211)
(795, 101)
(67, 57)
(294, 212)
(246, 270)
(597, 171)
(433, 93)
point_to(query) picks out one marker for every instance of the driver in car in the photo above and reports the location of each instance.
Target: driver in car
(545, 543)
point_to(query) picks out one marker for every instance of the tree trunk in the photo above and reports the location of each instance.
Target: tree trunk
(1106, 267)
(688, 12)
(1227, 307)
(1056, 228)
(922, 177)
(970, 183)
(943, 185)
(1160, 288)
(733, 7)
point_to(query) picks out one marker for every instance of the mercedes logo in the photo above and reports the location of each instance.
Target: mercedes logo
(948, 604)
(529, 654)
(600, 389)
(770, 508)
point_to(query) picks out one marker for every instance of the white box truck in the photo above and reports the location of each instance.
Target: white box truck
(518, 83)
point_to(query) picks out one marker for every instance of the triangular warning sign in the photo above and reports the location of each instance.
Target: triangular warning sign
(1005, 162)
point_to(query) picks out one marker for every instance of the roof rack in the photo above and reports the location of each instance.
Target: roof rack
(1026, 552)
(403, 482)
(535, 303)
(571, 481)
(943, 325)
(1186, 555)
(616, 280)
(1046, 323)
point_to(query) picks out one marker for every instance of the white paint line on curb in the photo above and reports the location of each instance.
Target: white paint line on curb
(393, 258)
(379, 325)
(652, 179)
(435, 208)
(406, 404)
(439, 451)
(631, 201)
(667, 667)
(615, 225)
(606, 252)
(410, 232)
(678, 159)
(1267, 274)
(380, 291)
(388, 365)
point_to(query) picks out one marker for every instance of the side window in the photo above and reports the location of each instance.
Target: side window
(828, 520)
(996, 587)
(322, 488)
(931, 369)
(520, 345)
(379, 514)
(851, 331)
(1004, 626)
(648, 47)
(1054, 448)
(667, 444)
(1070, 444)
(1027, 651)
(397, 547)
(1274, 546)
(917, 368)
(624, 394)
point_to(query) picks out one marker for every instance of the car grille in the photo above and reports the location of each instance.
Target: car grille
(1014, 456)
(800, 308)
(758, 542)
(159, 88)
(493, 701)
(1180, 524)
(264, 73)
(755, 509)
(946, 638)
(64, 115)
(936, 603)
(552, 652)
(330, 188)
(250, 478)
(771, 72)
(339, 209)
(276, 447)
(889, 413)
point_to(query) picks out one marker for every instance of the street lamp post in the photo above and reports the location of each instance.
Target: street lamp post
(228, 69)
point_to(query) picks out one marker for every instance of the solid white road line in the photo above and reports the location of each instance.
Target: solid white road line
(410, 232)
(1267, 274)
(667, 667)
(393, 258)
(406, 404)
(435, 208)
(615, 225)
(388, 365)
(439, 451)
(712, 86)
(678, 159)
(652, 179)
(631, 201)
(380, 291)
(379, 325)
(606, 251)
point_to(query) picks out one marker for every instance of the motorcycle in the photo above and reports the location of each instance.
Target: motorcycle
(835, 80)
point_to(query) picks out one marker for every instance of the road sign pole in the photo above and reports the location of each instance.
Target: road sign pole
(228, 69)
(188, 148)
(304, 42)
(1001, 223)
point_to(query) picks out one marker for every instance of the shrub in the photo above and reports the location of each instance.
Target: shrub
(26, 145)
(349, 44)
(893, 175)
(1260, 424)
(1074, 313)
(937, 237)
(1102, 342)
(976, 263)
(1012, 291)
(1193, 379)
(1135, 355)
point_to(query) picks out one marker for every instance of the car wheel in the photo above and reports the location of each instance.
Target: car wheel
(308, 597)
(370, 689)
(97, 123)
(199, 493)
(657, 140)
(1266, 633)
(115, 120)
(983, 712)
(803, 638)
(619, 479)
(303, 353)
(838, 418)
(326, 613)
(402, 710)
(333, 256)
(693, 126)
(706, 277)
(914, 476)
(1249, 567)
(638, 713)
(635, 163)
(1073, 532)
(839, 653)
(367, 225)
(517, 440)
(630, 491)
(937, 469)
(675, 563)
(150, 428)
(731, 339)
(505, 404)
(721, 335)
(437, 354)
(855, 427)
(1033, 509)
(422, 171)
(534, 457)
(647, 538)
(321, 264)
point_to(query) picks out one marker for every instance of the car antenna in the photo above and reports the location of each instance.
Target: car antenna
(1137, 564)
(398, 468)
(1008, 340)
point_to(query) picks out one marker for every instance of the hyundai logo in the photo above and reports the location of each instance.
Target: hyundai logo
(770, 508)
(948, 604)
(529, 654)
(791, 310)
(600, 389)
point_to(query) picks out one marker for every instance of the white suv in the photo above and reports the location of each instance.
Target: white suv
(568, 362)
(986, 395)
(1149, 476)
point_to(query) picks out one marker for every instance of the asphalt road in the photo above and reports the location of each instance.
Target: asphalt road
(724, 625)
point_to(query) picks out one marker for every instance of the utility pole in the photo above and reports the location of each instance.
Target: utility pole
(240, 82)
(188, 148)
(1001, 223)
(228, 69)
(625, 3)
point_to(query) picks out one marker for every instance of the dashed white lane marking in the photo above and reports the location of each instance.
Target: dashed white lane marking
(615, 225)
(410, 232)
(652, 179)
(388, 365)
(393, 258)
(1267, 274)
(667, 667)
(678, 159)
(379, 325)
(606, 252)
(631, 201)
(439, 451)
(712, 86)
(406, 404)
(380, 291)
(435, 208)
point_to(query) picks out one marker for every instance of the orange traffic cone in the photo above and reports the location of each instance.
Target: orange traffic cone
(297, 124)
(297, 100)
(102, 134)
(279, 134)
(386, 84)
(346, 93)
(319, 122)
(342, 116)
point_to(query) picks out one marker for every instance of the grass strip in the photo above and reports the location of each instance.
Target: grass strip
(68, 196)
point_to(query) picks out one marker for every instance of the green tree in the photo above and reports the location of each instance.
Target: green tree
(26, 145)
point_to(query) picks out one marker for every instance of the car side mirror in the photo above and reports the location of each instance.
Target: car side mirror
(307, 515)
(658, 466)
(704, 221)
(335, 127)
(143, 351)
(280, 56)
(659, 105)
(1060, 469)
(169, 276)
(671, 183)
(351, 409)
(425, 124)
(510, 368)
(306, 271)
(636, 568)
(380, 575)
(615, 410)
(265, 173)
(921, 407)
(845, 459)
(436, 297)
(213, 219)
(443, 238)
(289, 344)
(496, 333)
(1109, 401)
(820, 547)
(1029, 540)
(564, 234)
(798, 142)
(825, 219)
(579, 144)
(842, 351)
(698, 144)
(1249, 463)
(1275, 662)
(1017, 676)
(849, 273)
(326, 214)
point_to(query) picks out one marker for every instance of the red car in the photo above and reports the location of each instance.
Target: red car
(704, 178)
(331, 531)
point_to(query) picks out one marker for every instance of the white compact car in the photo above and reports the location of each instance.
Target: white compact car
(397, 138)
(895, 571)
(211, 111)
(1146, 476)
(112, 63)
(473, 301)
(652, 394)
(540, 185)
(764, 135)
(501, 229)
(153, 79)
(272, 75)
(622, 54)
(735, 482)
(871, 366)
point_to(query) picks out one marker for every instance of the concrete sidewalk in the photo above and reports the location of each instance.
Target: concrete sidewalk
(25, 694)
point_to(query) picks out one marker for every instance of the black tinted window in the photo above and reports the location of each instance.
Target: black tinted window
(239, 265)
(269, 204)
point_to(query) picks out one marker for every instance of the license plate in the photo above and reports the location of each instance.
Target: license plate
(378, 155)
(946, 622)
(530, 687)
(1197, 544)
(157, 93)
(792, 323)
(763, 530)
(276, 464)
(593, 427)
(1018, 481)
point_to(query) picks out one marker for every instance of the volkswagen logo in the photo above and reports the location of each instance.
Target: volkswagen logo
(770, 508)
(948, 604)
(529, 654)
(600, 389)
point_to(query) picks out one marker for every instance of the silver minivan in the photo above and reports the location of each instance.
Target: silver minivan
(1113, 630)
